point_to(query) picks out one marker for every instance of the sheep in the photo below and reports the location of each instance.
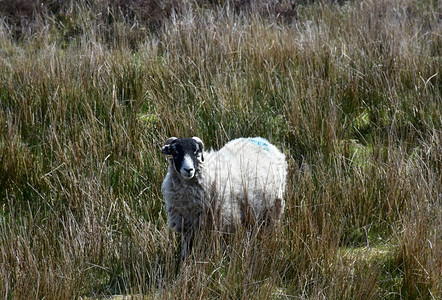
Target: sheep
(242, 183)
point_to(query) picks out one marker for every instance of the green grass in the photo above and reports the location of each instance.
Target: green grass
(350, 91)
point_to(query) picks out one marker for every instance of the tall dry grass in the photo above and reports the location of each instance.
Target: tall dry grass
(350, 91)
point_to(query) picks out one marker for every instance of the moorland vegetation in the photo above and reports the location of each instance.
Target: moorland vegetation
(350, 90)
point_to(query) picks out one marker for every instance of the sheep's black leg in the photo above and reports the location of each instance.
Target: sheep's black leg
(187, 244)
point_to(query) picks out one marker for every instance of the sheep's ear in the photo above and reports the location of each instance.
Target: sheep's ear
(166, 148)
(199, 142)
(200, 145)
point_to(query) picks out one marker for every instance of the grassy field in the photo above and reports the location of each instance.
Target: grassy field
(350, 90)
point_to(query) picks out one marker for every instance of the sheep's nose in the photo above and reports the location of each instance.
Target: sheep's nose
(189, 170)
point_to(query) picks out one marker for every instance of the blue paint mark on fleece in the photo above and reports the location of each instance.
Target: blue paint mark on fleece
(261, 142)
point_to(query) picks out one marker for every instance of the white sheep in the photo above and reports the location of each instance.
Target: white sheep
(242, 183)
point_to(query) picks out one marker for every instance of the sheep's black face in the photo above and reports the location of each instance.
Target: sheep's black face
(185, 155)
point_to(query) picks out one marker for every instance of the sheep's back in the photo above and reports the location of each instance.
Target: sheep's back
(249, 175)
